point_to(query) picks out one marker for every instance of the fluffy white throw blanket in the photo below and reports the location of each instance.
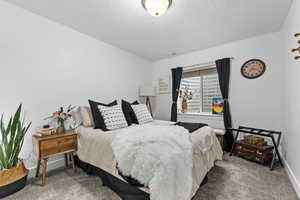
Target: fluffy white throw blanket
(157, 156)
(204, 138)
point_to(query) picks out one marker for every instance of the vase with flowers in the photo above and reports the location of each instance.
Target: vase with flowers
(185, 94)
(60, 117)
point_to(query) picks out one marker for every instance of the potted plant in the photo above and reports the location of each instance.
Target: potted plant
(185, 94)
(13, 174)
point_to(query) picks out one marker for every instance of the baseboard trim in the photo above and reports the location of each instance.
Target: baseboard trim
(292, 178)
(51, 165)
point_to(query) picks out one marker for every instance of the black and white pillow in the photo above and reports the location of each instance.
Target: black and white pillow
(142, 113)
(113, 117)
(128, 112)
(97, 117)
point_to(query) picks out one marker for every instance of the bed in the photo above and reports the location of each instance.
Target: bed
(95, 154)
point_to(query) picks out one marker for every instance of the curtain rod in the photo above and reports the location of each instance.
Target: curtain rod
(204, 63)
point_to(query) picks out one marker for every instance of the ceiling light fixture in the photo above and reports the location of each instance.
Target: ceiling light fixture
(156, 8)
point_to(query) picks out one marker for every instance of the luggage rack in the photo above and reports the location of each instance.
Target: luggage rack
(264, 133)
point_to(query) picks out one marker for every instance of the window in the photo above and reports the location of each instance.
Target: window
(197, 90)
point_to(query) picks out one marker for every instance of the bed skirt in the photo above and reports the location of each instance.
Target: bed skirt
(121, 188)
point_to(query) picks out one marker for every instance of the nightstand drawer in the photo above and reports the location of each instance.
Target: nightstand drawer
(58, 145)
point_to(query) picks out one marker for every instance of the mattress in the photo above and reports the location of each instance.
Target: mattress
(94, 147)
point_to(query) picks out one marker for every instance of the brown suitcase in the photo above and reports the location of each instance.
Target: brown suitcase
(255, 140)
(262, 155)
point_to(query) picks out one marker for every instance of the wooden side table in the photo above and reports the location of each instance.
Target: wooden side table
(220, 135)
(52, 145)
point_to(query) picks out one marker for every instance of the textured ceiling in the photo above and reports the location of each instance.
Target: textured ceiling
(189, 24)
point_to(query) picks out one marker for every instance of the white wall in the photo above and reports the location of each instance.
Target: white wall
(45, 65)
(291, 94)
(253, 102)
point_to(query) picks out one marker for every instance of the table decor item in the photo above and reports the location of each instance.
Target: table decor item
(45, 131)
(46, 126)
(61, 116)
(13, 174)
(185, 94)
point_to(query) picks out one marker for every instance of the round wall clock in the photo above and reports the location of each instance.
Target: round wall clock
(253, 68)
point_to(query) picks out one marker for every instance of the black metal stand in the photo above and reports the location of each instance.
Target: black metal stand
(264, 133)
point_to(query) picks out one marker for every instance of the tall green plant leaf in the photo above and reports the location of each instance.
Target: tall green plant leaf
(12, 139)
(2, 158)
(15, 121)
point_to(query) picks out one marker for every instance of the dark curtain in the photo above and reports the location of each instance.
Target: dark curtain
(176, 79)
(223, 68)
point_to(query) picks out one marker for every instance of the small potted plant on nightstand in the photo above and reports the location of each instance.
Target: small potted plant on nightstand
(13, 174)
(185, 94)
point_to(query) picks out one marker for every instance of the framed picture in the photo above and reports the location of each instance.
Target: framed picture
(217, 106)
(164, 85)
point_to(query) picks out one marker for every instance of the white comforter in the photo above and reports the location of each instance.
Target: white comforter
(157, 156)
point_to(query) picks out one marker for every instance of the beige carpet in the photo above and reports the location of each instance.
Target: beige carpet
(231, 179)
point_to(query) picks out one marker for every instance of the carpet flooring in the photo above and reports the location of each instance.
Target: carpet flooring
(231, 179)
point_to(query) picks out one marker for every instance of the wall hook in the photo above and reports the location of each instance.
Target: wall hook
(297, 49)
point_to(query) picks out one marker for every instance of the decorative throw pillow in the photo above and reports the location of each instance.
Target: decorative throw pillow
(128, 112)
(113, 117)
(98, 119)
(142, 113)
(86, 116)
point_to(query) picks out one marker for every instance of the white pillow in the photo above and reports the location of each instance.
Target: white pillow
(113, 117)
(142, 113)
(86, 116)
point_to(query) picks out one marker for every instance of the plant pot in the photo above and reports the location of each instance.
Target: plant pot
(184, 106)
(12, 180)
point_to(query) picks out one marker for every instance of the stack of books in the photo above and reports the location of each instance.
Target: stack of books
(45, 132)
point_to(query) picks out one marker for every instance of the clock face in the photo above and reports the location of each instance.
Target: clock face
(253, 69)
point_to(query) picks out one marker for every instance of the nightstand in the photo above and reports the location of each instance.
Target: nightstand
(53, 145)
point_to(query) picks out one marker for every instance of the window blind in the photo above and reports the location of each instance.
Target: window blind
(204, 84)
(198, 72)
